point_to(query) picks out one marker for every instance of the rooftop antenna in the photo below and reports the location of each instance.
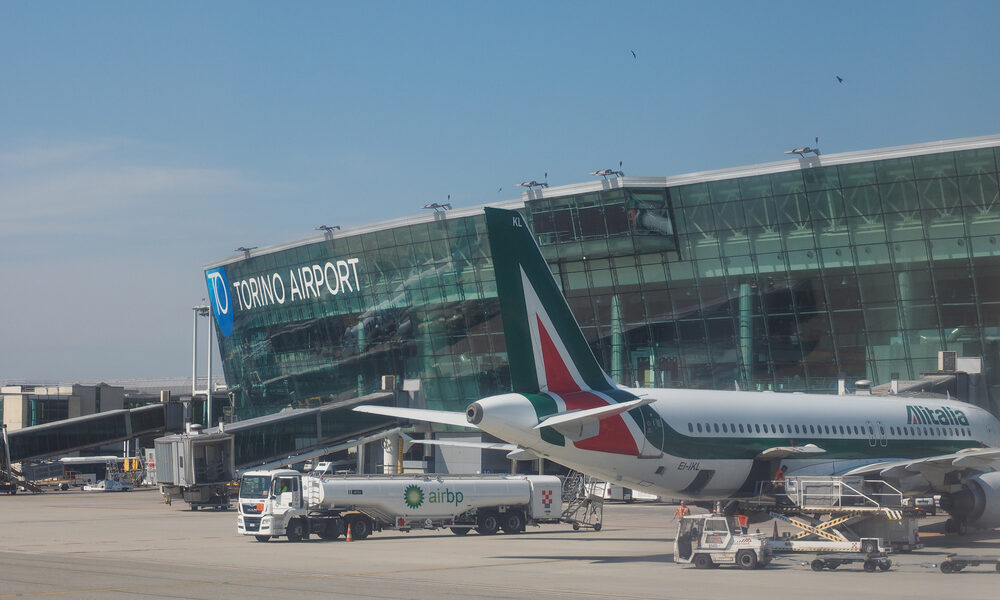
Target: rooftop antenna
(245, 251)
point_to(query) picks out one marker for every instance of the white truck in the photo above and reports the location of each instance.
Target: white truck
(287, 503)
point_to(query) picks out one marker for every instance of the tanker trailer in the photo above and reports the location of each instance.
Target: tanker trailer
(287, 503)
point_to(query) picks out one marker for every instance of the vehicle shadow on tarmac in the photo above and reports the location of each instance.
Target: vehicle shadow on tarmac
(605, 560)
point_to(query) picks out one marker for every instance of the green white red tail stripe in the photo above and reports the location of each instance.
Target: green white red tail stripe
(546, 348)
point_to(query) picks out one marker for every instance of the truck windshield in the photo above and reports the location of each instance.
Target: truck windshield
(254, 486)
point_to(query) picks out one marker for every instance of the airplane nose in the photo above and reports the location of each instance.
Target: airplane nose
(474, 414)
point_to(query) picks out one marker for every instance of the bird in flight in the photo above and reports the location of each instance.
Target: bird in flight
(633, 54)
(839, 79)
(500, 189)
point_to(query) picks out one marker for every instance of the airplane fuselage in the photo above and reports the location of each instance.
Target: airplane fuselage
(706, 444)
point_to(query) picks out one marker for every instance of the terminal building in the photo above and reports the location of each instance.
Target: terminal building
(787, 276)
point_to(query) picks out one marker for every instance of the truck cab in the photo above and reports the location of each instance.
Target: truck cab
(271, 505)
(715, 539)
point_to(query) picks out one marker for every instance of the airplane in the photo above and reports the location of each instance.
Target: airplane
(706, 445)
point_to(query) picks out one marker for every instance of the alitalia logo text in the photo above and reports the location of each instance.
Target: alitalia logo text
(921, 415)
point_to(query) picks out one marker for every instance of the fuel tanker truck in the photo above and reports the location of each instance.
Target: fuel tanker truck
(287, 503)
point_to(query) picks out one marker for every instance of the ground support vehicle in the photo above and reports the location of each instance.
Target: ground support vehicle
(956, 562)
(285, 503)
(198, 468)
(870, 562)
(711, 540)
(838, 514)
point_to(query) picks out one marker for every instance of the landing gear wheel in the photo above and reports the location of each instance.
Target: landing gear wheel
(702, 561)
(946, 567)
(488, 523)
(817, 565)
(746, 559)
(296, 531)
(460, 530)
(512, 522)
(262, 538)
(870, 566)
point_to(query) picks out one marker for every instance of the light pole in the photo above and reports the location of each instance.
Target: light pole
(201, 311)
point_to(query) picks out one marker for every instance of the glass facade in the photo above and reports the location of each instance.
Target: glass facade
(780, 278)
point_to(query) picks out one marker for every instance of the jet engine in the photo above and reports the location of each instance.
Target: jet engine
(977, 504)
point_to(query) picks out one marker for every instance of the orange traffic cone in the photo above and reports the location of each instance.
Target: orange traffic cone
(350, 538)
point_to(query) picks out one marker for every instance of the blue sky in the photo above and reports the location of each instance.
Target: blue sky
(140, 141)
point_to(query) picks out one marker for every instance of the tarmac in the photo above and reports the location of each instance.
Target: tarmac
(129, 544)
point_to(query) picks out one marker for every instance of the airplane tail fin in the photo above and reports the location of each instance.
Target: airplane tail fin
(546, 348)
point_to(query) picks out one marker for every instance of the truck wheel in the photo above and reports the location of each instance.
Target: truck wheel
(513, 522)
(296, 531)
(702, 561)
(194, 507)
(869, 547)
(262, 538)
(945, 566)
(331, 531)
(746, 559)
(870, 566)
(460, 530)
(597, 526)
(360, 526)
(488, 523)
(817, 565)
(885, 565)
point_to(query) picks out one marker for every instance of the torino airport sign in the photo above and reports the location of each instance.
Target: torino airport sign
(301, 283)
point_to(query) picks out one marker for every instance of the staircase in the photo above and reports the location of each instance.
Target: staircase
(583, 501)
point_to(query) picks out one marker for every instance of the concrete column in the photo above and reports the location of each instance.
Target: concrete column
(390, 454)
(617, 340)
(746, 332)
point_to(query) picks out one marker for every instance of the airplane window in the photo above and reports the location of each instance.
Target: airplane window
(842, 430)
(741, 427)
(796, 429)
(892, 430)
(699, 427)
(732, 428)
(716, 428)
(781, 428)
(927, 432)
(856, 431)
(827, 428)
(690, 428)
(812, 429)
(881, 430)
(758, 427)
(708, 428)
(871, 431)
(773, 428)
(724, 430)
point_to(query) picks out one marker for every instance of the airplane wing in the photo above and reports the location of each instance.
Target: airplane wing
(582, 424)
(934, 469)
(444, 417)
(793, 451)
(514, 452)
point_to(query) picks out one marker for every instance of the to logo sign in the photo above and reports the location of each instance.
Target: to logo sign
(222, 304)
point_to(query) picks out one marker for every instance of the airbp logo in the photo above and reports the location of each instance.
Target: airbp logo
(222, 305)
(413, 496)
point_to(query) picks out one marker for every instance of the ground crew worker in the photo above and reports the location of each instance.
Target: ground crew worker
(779, 484)
(682, 511)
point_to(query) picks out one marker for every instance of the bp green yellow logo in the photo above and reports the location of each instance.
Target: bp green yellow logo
(413, 496)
